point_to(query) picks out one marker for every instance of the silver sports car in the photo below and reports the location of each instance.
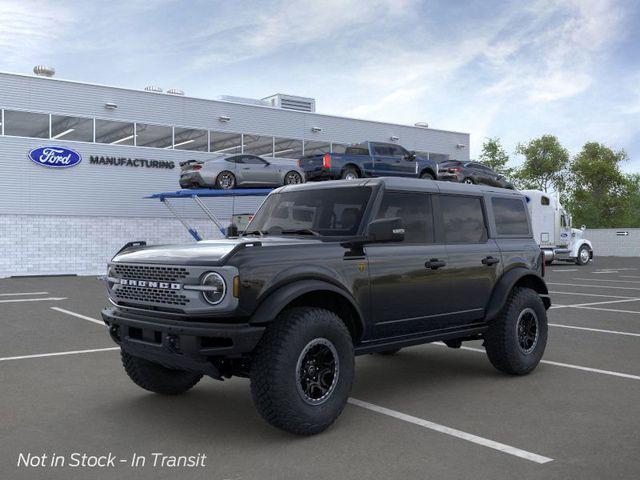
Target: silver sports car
(231, 171)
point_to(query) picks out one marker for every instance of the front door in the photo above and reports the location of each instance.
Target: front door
(257, 171)
(408, 290)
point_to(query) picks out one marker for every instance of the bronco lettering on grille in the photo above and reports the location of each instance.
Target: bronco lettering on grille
(149, 284)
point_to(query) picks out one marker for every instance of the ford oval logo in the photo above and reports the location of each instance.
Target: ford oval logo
(55, 157)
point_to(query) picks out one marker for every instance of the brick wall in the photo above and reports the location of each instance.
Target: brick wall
(53, 245)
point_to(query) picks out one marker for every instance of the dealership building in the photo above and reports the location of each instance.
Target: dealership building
(128, 144)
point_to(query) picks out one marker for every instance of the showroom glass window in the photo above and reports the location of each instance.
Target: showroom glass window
(190, 139)
(26, 124)
(287, 148)
(114, 133)
(463, 219)
(157, 136)
(258, 145)
(511, 216)
(71, 128)
(414, 210)
(316, 148)
(338, 148)
(225, 143)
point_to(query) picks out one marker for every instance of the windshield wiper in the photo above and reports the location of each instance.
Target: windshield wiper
(301, 231)
(254, 232)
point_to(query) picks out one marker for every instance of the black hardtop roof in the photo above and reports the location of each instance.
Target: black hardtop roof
(407, 184)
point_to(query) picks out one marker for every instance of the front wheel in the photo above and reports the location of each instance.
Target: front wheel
(156, 378)
(584, 255)
(225, 180)
(516, 339)
(302, 371)
(292, 178)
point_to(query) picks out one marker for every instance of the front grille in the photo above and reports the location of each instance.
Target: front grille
(154, 295)
(152, 273)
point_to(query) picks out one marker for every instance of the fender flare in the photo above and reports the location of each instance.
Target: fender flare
(273, 304)
(505, 284)
(580, 243)
(430, 170)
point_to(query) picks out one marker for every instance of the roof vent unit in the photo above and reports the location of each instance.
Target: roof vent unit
(244, 100)
(43, 71)
(153, 88)
(175, 91)
(291, 102)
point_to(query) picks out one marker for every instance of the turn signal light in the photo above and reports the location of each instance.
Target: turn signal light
(326, 161)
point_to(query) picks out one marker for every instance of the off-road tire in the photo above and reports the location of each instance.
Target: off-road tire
(275, 375)
(392, 351)
(156, 378)
(427, 176)
(348, 173)
(579, 260)
(501, 340)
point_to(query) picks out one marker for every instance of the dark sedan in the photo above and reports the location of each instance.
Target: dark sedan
(472, 173)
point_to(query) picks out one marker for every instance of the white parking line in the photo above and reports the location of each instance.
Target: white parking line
(485, 442)
(629, 276)
(74, 314)
(594, 286)
(23, 293)
(578, 305)
(605, 272)
(568, 270)
(56, 354)
(566, 365)
(598, 330)
(611, 310)
(47, 299)
(588, 294)
(607, 280)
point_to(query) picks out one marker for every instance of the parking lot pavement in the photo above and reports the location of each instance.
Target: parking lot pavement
(428, 412)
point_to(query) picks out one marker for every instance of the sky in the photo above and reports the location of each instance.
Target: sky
(509, 69)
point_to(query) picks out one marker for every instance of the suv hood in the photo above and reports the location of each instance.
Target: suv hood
(207, 252)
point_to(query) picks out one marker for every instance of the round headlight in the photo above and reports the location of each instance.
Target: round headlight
(216, 288)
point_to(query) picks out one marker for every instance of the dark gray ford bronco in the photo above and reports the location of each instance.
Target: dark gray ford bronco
(325, 272)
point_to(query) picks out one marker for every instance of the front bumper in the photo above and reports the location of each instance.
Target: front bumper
(179, 344)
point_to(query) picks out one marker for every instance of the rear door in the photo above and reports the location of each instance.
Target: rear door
(474, 259)
(408, 296)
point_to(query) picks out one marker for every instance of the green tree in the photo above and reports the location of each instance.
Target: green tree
(545, 164)
(494, 156)
(600, 194)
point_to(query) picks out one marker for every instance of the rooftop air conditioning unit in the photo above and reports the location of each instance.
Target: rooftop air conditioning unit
(43, 71)
(175, 91)
(291, 102)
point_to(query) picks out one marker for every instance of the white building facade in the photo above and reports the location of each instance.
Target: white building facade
(129, 144)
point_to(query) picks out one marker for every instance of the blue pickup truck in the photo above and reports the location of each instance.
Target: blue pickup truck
(368, 159)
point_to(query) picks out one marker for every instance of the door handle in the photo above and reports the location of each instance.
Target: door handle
(488, 261)
(434, 264)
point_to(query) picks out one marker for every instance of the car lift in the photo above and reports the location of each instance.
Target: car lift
(197, 195)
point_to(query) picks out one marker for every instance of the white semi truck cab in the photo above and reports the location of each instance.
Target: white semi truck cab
(553, 232)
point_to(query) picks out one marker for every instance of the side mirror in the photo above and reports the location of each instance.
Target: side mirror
(232, 231)
(385, 230)
(411, 156)
(583, 228)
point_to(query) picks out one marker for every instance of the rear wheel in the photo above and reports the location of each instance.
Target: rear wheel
(350, 173)
(468, 181)
(292, 178)
(427, 176)
(225, 180)
(156, 378)
(302, 371)
(516, 339)
(584, 255)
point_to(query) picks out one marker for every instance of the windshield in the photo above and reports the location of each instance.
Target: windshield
(326, 212)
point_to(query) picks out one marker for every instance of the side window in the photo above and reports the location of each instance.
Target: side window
(544, 200)
(381, 150)
(511, 216)
(234, 159)
(414, 209)
(463, 219)
(252, 160)
(397, 151)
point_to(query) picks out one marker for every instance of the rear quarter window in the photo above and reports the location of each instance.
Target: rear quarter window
(510, 216)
